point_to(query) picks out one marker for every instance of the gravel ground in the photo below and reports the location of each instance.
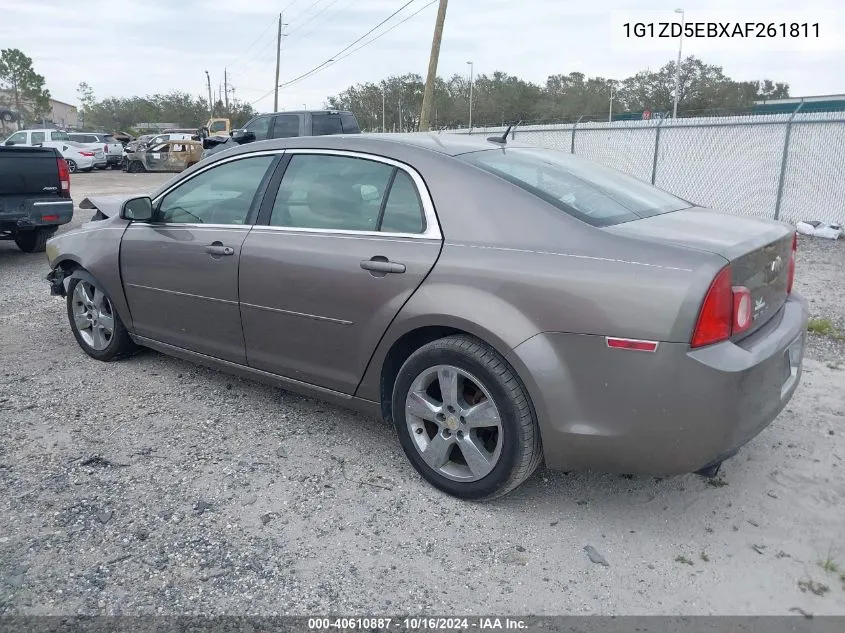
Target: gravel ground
(154, 486)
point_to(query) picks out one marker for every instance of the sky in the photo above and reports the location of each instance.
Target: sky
(136, 47)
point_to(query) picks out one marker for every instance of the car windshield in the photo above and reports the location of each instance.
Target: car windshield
(588, 191)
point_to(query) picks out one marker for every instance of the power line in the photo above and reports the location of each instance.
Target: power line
(316, 15)
(323, 22)
(331, 60)
(254, 42)
(337, 57)
(383, 33)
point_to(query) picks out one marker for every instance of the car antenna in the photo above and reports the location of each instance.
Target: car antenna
(503, 139)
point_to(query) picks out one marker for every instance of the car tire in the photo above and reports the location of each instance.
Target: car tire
(101, 167)
(71, 165)
(115, 165)
(135, 167)
(95, 324)
(489, 442)
(34, 241)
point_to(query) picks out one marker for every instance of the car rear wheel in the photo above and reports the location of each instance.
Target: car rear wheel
(71, 165)
(95, 324)
(464, 419)
(34, 241)
(135, 167)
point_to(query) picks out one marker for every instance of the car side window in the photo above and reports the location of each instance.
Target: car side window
(403, 211)
(18, 137)
(350, 123)
(323, 124)
(224, 194)
(38, 137)
(320, 191)
(260, 127)
(286, 126)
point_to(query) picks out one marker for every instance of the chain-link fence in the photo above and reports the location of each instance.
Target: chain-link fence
(787, 166)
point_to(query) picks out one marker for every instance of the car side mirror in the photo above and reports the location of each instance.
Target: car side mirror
(243, 136)
(138, 209)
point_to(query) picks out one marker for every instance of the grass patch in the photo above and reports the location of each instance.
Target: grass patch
(717, 482)
(680, 558)
(705, 557)
(823, 327)
(829, 565)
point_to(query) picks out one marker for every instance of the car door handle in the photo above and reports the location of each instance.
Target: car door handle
(380, 264)
(218, 249)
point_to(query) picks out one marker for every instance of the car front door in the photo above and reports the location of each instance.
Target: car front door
(156, 157)
(347, 240)
(180, 271)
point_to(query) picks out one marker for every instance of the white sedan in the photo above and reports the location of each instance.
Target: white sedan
(81, 156)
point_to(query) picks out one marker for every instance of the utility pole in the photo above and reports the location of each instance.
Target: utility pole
(471, 81)
(278, 61)
(226, 86)
(210, 102)
(428, 94)
(678, 66)
(383, 107)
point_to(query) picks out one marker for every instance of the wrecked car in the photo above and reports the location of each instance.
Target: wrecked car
(169, 156)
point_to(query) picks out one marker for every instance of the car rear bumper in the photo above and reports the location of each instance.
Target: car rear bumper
(37, 213)
(672, 411)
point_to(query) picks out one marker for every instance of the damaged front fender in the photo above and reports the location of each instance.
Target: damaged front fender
(59, 279)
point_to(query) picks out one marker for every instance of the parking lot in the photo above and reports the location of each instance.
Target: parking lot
(151, 485)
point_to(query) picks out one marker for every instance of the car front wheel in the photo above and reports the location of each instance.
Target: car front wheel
(95, 324)
(464, 419)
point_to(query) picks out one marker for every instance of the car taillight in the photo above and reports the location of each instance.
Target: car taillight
(726, 311)
(87, 153)
(105, 149)
(64, 178)
(790, 274)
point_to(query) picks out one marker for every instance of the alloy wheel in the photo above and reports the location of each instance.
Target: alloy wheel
(454, 423)
(93, 315)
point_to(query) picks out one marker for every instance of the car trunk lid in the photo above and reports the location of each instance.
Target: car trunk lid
(758, 250)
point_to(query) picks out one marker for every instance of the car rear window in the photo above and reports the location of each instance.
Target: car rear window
(323, 124)
(350, 123)
(108, 138)
(59, 136)
(588, 191)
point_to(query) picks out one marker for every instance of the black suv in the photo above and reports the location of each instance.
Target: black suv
(286, 125)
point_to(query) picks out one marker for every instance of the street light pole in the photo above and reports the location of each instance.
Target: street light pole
(610, 111)
(678, 66)
(471, 69)
(383, 107)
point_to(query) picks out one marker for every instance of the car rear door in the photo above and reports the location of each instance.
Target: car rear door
(342, 242)
(180, 271)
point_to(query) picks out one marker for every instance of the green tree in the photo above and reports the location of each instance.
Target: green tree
(24, 85)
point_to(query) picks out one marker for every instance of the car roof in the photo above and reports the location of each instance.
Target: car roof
(448, 144)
